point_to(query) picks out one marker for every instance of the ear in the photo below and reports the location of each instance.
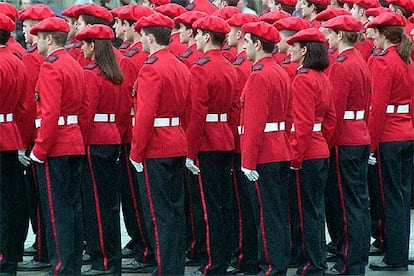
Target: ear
(304, 50)
(92, 46)
(239, 35)
(49, 39)
(258, 45)
(190, 32)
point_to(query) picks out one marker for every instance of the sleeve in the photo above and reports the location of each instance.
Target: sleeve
(26, 107)
(148, 94)
(329, 121)
(123, 114)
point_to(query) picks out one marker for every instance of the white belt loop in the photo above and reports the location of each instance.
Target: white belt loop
(104, 118)
(316, 127)
(216, 117)
(6, 117)
(401, 109)
(390, 108)
(360, 114)
(240, 130)
(132, 112)
(272, 127)
(62, 120)
(37, 122)
(133, 121)
(354, 115)
(166, 122)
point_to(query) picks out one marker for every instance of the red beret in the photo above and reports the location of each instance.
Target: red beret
(69, 12)
(331, 13)
(320, 2)
(6, 24)
(160, 2)
(154, 20)
(134, 12)
(292, 24)
(288, 2)
(117, 10)
(188, 18)
(367, 4)
(240, 19)
(94, 10)
(310, 34)
(376, 11)
(263, 30)
(387, 19)
(51, 24)
(411, 18)
(9, 10)
(226, 12)
(201, 5)
(171, 10)
(346, 23)
(273, 16)
(97, 31)
(213, 24)
(36, 12)
(407, 5)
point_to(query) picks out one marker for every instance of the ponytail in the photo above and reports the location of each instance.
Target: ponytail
(404, 48)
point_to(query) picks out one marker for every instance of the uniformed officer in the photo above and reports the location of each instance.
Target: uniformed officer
(11, 11)
(59, 147)
(264, 115)
(226, 13)
(73, 46)
(310, 9)
(120, 32)
(159, 144)
(314, 121)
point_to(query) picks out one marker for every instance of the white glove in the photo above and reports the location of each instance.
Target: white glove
(34, 158)
(138, 166)
(252, 175)
(189, 163)
(372, 160)
(23, 159)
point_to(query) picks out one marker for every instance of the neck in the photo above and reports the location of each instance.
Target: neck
(343, 47)
(239, 47)
(210, 47)
(53, 48)
(156, 48)
(260, 55)
(191, 42)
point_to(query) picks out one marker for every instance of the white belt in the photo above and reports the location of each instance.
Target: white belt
(269, 127)
(104, 118)
(216, 117)
(166, 122)
(354, 115)
(133, 121)
(132, 113)
(63, 120)
(316, 127)
(6, 117)
(404, 108)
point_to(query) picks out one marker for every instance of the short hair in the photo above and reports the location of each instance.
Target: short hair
(4, 37)
(130, 22)
(318, 7)
(216, 38)
(162, 34)
(267, 45)
(288, 33)
(60, 38)
(90, 19)
(316, 56)
(232, 3)
(183, 3)
(349, 37)
(287, 8)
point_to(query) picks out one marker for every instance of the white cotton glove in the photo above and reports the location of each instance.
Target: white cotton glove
(189, 163)
(138, 166)
(23, 159)
(34, 158)
(252, 175)
(372, 160)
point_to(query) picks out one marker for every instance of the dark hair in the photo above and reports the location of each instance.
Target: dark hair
(90, 19)
(318, 7)
(267, 45)
(287, 8)
(216, 38)
(349, 37)
(105, 57)
(316, 56)
(396, 35)
(130, 22)
(232, 3)
(4, 37)
(162, 34)
(183, 3)
(404, 12)
(60, 38)
(288, 33)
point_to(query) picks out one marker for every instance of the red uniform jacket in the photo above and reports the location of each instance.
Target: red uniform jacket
(190, 55)
(312, 103)
(351, 81)
(124, 47)
(290, 67)
(265, 100)
(12, 81)
(229, 52)
(176, 47)
(130, 65)
(392, 85)
(15, 47)
(213, 89)
(278, 56)
(365, 48)
(74, 48)
(59, 92)
(163, 85)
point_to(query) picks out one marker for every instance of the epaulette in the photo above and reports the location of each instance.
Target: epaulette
(190, 6)
(379, 53)
(286, 61)
(18, 55)
(36, 96)
(226, 47)
(331, 51)
(341, 58)
(303, 71)
(91, 66)
(74, 45)
(125, 45)
(31, 49)
(151, 60)
(52, 58)
(275, 50)
(257, 67)
(239, 60)
(202, 60)
(132, 52)
(186, 53)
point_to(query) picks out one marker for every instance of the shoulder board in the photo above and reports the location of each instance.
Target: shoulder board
(239, 60)
(31, 49)
(125, 45)
(74, 45)
(257, 67)
(275, 50)
(331, 51)
(18, 56)
(341, 58)
(226, 47)
(378, 53)
(131, 52)
(91, 66)
(186, 53)
(190, 6)
(151, 60)
(303, 70)
(202, 60)
(52, 58)
(286, 61)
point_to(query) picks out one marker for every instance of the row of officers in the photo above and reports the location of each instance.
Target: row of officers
(216, 158)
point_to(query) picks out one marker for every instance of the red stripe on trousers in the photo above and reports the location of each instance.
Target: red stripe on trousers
(381, 235)
(191, 213)
(240, 220)
(39, 237)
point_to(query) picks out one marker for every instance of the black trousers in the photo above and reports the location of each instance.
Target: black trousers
(246, 234)
(310, 184)
(59, 181)
(347, 180)
(376, 207)
(269, 196)
(396, 163)
(132, 209)
(162, 194)
(101, 203)
(13, 213)
(215, 186)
